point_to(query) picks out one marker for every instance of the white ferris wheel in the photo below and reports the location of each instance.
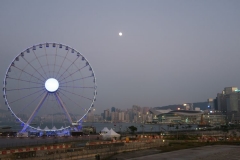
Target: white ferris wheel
(49, 85)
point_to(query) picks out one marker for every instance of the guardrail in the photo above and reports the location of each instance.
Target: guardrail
(90, 153)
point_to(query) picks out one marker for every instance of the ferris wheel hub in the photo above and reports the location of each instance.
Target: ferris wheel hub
(39, 71)
(51, 85)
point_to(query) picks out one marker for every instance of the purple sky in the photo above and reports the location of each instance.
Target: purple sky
(171, 52)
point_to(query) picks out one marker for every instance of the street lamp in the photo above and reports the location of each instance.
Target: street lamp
(120, 128)
(89, 137)
(89, 141)
(142, 128)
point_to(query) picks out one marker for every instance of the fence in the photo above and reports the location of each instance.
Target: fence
(89, 153)
(19, 142)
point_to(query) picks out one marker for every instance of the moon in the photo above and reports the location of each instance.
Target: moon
(120, 34)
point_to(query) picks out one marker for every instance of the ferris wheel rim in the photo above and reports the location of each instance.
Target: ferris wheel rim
(32, 48)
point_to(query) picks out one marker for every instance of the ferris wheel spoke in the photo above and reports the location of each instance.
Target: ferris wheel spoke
(25, 96)
(77, 87)
(63, 107)
(62, 62)
(71, 100)
(30, 103)
(28, 73)
(73, 73)
(23, 88)
(77, 94)
(47, 59)
(39, 63)
(34, 68)
(34, 112)
(68, 68)
(55, 61)
(25, 84)
(24, 80)
(77, 79)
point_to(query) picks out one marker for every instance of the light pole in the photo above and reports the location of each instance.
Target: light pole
(89, 137)
(120, 128)
(142, 128)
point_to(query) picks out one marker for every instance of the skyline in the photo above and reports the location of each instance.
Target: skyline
(170, 52)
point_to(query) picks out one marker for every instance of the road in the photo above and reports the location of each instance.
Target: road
(218, 152)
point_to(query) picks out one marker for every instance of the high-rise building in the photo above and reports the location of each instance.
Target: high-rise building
(186, 106)
(229, 103)
(229, 90)
(112, 116)
(113, 109)
(90, 117)
(106, 114)
(145, 110)
(121, 116)
(136, 108)
(210, 103)
(127, 117)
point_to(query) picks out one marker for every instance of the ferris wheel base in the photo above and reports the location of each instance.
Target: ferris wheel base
(75, 127)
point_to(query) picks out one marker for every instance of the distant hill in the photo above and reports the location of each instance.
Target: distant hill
(201, 105)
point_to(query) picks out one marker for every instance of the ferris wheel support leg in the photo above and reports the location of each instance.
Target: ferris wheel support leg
(64, 108)
(34, 112)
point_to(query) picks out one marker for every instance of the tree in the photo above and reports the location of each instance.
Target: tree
(132, 129)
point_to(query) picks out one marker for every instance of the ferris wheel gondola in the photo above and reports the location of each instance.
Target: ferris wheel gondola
(50, 82)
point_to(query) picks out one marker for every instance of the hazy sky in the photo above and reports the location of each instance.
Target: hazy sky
(171, 51)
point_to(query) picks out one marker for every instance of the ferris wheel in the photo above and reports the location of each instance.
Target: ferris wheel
(50, 85)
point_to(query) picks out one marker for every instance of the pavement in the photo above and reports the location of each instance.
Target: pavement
(133, 154)
(216, 152)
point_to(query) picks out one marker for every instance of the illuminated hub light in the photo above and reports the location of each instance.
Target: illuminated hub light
(51, 85)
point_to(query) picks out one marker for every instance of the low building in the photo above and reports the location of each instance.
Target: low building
(178, 116)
